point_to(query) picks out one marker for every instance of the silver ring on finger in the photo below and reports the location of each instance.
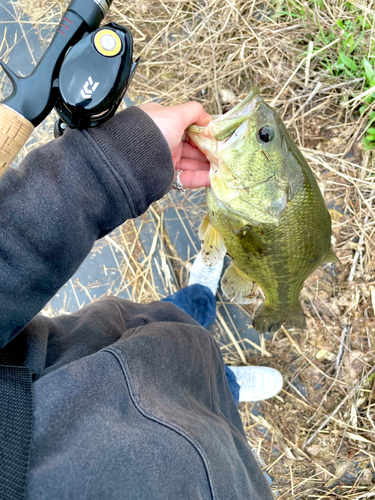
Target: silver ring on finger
(177, 184)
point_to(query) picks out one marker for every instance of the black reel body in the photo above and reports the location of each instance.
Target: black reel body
(94, 77)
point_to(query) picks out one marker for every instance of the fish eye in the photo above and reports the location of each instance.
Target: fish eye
(266, 134)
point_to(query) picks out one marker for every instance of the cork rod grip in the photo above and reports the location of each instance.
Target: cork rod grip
(14, 132)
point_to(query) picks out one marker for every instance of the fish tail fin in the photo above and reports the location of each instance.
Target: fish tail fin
(270, 319)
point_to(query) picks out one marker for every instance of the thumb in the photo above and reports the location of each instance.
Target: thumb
(193, 112)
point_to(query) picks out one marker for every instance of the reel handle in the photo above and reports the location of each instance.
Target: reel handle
(14, 132)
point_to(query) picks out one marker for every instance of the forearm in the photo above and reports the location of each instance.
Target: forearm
(63, 197)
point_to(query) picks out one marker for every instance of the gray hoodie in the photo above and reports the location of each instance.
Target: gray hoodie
(130, 401)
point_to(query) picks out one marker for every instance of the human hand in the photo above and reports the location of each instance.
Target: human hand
(172, 122)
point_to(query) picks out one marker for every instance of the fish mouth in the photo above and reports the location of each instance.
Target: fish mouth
(243, 109)
(221, 125)
(224, 125)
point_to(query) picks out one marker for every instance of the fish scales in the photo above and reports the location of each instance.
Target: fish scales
(265, 210)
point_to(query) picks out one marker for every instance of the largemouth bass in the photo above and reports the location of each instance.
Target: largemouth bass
(264, 209)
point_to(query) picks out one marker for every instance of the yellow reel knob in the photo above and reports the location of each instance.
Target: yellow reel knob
(107, 42)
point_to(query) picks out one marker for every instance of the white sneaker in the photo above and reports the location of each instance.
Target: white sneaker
(257, 382)
(204, 275)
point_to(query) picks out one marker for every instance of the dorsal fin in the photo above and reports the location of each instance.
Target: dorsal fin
(331, 257)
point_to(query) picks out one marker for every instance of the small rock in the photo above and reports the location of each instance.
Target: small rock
(324, 354)
(366, 477)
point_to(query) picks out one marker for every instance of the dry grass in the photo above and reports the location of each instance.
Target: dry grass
(317, 439)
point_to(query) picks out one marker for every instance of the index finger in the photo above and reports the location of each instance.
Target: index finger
(193, 112)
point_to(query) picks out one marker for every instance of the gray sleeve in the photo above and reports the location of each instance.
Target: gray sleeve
(65, 195)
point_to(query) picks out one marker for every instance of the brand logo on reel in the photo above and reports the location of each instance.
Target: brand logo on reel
(86, 91)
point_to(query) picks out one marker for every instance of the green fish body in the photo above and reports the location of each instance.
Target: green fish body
(264, 209)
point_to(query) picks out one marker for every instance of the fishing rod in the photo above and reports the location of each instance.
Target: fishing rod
(83, 74)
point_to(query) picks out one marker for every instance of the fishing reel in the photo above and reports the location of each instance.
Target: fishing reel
(94, 77)
(83, 74)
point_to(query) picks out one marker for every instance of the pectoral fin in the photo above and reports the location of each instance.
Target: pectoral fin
(237, 286)
(213, 247)
(250, 242)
